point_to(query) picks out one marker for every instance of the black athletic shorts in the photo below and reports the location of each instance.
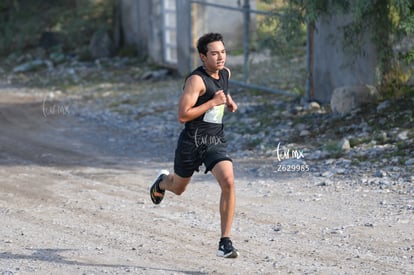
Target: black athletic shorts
(189, 155)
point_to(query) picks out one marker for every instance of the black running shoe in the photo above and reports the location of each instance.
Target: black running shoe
(155, 192)
(226, 249)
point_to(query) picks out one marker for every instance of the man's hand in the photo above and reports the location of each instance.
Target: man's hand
(219, 98)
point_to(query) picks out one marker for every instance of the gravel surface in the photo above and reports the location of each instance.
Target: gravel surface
(316, 193)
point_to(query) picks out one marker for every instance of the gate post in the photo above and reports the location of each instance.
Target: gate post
(184, 37)
(246, 39)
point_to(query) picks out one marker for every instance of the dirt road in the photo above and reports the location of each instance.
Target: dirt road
(74, 200)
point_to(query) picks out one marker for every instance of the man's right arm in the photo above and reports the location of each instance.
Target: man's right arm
(194, 87)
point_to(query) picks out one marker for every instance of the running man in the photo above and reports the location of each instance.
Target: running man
(201, 108)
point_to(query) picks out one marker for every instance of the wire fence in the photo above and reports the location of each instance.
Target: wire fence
(257, 64)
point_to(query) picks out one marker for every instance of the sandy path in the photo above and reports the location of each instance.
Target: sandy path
(74, 201)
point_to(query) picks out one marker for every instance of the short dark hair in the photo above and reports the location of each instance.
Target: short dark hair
(204, 40)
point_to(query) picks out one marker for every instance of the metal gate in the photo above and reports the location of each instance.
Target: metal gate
(169, 31)
(186, 53)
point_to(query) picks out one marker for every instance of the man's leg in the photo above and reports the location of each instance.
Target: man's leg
(223, 171)
(174, 183)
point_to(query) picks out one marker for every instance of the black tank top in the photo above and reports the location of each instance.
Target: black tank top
(210, 123)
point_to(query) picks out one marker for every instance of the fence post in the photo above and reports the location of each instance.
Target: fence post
(184, 36)
(309, 61)
(246, 38)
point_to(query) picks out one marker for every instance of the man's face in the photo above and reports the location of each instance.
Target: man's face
(216, 56)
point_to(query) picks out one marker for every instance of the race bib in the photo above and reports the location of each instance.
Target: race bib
(215, 114)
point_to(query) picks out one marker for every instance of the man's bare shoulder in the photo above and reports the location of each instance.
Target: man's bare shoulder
(193, 78)
(194, 84)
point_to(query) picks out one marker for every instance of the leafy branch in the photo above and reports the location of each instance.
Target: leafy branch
(387, 20)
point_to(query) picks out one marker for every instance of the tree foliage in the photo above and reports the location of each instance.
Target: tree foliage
(23, 21)
(387, 20)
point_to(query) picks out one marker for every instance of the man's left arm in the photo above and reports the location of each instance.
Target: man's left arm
(231, 105)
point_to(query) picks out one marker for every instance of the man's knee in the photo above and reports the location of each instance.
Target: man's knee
(179, 184)
(227, 181)
(178, 190)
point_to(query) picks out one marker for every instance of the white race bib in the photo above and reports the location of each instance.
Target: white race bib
(215, 114)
